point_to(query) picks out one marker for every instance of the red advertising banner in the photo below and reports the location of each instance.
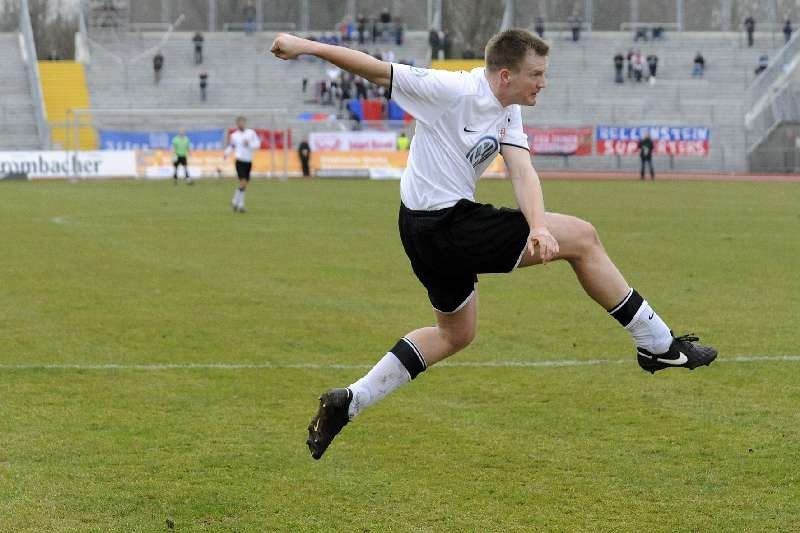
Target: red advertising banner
(270, 138)
(680, 148)
(560, 141)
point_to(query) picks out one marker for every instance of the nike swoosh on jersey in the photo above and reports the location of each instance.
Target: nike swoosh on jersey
(681, 359)
(469, 130)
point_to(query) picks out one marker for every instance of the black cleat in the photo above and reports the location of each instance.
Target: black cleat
(330, 419)
(682, 353)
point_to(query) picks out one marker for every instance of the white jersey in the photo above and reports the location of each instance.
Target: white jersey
(243, 142)
(460, 127)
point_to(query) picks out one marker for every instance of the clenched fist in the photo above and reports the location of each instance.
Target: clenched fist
(286, 46)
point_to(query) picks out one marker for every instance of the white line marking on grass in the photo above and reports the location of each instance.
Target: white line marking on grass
(347, 366)
(60, 220)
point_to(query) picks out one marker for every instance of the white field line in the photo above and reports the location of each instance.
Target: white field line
(335, 366)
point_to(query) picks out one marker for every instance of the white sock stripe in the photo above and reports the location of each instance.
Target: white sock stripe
(623, 302)
(416, 352)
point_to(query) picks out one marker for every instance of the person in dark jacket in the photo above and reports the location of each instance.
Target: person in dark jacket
(619, 63)
(750, 28)
(646, 155)
(304, 152)
(158, 65)
(198, 48)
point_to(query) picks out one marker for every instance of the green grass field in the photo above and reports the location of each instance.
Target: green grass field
(111, 291)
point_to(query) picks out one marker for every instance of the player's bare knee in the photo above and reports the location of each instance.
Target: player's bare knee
(587, 238)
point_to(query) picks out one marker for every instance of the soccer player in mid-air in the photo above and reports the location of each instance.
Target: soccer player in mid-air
(243, 141)
(463, 120)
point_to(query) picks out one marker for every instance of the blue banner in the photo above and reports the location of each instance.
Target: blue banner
(657, 133)
(159, 140)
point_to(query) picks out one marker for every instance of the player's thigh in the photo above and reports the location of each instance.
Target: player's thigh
(574, 236)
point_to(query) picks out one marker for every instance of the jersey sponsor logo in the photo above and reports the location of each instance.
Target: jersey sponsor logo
(420, 72)
(483, 150)
(467, 130)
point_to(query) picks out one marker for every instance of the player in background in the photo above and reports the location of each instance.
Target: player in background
(464, 119)
(242, 142)
(180, 149)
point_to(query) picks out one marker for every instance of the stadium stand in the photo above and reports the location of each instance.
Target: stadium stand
(63, 89)
(120, 72)
(17, 117)
(581, 89)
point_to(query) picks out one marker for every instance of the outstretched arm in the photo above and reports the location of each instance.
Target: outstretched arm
(286, 46)
(530, 199)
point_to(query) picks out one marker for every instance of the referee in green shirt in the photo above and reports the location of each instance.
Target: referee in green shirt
(180, 147)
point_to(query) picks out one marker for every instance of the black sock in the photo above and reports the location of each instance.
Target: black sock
(626, 309)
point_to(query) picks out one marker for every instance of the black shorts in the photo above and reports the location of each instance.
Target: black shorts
(181, 160)
(448, 248)
(243, 169)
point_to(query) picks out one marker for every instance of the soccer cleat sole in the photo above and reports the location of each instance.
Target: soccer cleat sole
(650, 365)
(326, 424)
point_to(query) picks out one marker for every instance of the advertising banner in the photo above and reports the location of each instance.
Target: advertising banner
(356, 141)
(60, 164)
(559, 141)
(158, 164)
(159, 140)
(376, 165)
(667, 140)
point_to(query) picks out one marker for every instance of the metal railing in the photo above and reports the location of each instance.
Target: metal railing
(784, 106)
(759, 88)
(28, 48)
(259, 26)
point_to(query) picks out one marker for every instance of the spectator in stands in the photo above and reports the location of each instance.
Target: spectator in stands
(250, 17)
(444, 39)
(434, 43)
(629, 56)
(763, 63)
(398, 31)
(158, 65)
(305, 85)
(638, 66)
(389, 56)
(198, 48)
(203, 85)
(539, 27)
(345, 89)
(403, 142)
(750, 28)
(658, 33)
(575, 23)
(699, 67)
(787, 30)
(619, 63)
(652, 66)
(346, 29)
(304, 153)
(640, 33)
(361, 27)
(361, 87)
(386, 20)
(646, 155)
(375, 29)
